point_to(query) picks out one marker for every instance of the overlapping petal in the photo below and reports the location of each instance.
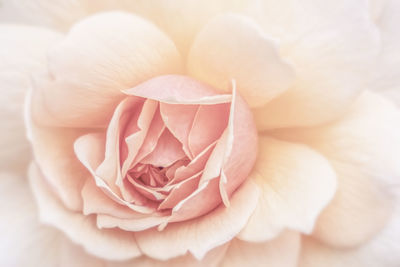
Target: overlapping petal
(363, 148)
(115, 51)
(333, 46)
(296, 184)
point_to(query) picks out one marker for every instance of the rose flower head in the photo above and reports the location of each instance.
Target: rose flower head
(201, 133)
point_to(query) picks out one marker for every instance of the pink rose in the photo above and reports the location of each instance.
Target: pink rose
(200, 133)
(172, 151)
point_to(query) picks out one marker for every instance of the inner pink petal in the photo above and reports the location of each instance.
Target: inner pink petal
(179, 120)
(167, 151)
(109, 170)
(180, 192)
(195, 166)
(208, 125)
(146, 191)
(134, 139)
(149, 144)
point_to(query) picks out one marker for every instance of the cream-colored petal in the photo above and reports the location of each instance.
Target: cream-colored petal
(167, 15)
(22, 51)
(280, 252)
(386, 75)
(101, 55)
(24, 240)
(296, 184)
(333, 46)
(212, 259)
(383, 250)
(235, 47)
(363, 148)
(201, 235)
(108, 244)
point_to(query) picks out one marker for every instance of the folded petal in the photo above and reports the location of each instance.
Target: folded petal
(333, 46)
(296, 184)
(280, 252)
(178, 89)
(22, 52)
(100, 56)
(363, 148)
(203, 234)
(235, 47)
(110, 244)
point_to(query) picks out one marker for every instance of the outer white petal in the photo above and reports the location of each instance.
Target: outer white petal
(296, 184)
(280, 252)
(24, 240)
(235, 47)
(22, 51)
(332, 45)
(110, 244)
(386, 75)
(364, 149)
(383, 250)
(101, 55)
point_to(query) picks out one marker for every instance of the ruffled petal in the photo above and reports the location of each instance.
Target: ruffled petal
(333, 46)
(110, 244)
(100, 56)
(363, 148)
(296, 183)
(203, 234)
(280, 252)
(245, 55)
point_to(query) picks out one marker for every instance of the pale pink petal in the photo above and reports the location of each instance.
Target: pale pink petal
(101, 56)
(203, 234)
(179, 120)
(88, 149)
(109, 244)
(196, 165)
(150, 141)
(177, 89)
(226, 167)
(18, 59)
(235, 47)
(280, 252)
(363, 148)
(179, 192)
(296, 184)
(167, 151)
(208, 125)
(135, 139)
(333, 46)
